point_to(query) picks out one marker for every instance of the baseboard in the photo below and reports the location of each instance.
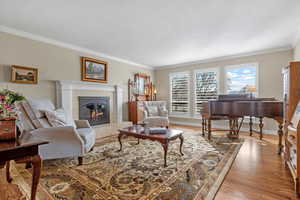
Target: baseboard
(265, 131)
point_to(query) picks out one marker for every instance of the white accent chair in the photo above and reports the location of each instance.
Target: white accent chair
(156, 114)
(74, 140)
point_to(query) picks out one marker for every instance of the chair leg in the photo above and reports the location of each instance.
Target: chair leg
(28, 165)
(80, 160)
(92, 149)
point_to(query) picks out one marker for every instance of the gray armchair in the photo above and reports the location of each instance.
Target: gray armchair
(156, 114)
(74, 140)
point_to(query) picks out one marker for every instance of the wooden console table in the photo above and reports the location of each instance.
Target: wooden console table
(22, 152)
(138, 132)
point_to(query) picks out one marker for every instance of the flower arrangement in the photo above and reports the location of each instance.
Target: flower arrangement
(7, 100)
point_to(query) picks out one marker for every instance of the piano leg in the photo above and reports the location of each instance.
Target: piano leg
(261, 125)
(250, 125)
(230, 126)
(203, 126)
(236, 128)
(280, 134)
(208, 128)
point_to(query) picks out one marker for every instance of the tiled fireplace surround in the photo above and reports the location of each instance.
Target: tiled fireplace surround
(67, 93)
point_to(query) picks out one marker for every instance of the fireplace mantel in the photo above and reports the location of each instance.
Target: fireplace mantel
(64, 95)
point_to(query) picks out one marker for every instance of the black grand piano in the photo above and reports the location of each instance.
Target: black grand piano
(235, 107)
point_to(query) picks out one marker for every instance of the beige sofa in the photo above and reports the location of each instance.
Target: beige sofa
(73, 140)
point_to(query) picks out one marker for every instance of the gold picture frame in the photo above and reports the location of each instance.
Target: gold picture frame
(21, 74)
(93, 70)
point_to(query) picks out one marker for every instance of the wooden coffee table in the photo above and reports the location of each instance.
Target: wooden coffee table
(164, 139)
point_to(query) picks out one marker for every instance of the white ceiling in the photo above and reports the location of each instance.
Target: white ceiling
(159, 32)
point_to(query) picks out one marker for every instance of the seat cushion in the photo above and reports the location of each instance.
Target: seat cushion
(157, 121)
(88, 136)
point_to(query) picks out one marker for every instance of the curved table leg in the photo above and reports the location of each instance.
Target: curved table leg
(181, 143)
(119, 138)
(165, 146)
(37, 164)
(8, 177)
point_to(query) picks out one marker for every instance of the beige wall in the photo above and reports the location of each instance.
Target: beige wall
(270, 79)
(297, 52)
(54, 63)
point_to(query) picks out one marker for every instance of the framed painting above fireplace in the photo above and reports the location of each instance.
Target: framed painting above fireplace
(94, 70)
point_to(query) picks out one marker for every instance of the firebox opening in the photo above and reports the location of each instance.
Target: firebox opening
(94, 109)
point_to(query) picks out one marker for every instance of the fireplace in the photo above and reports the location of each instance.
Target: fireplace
(94, 109)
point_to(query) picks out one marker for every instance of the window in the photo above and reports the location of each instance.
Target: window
(179, 85)
(206, 87)
(242, 79)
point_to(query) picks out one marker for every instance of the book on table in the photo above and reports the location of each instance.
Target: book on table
(157, 130)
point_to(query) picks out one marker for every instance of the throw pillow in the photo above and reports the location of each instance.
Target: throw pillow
(55, 118)
(152, 111)
(163, 111)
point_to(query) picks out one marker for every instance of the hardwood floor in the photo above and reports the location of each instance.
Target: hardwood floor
(258, 173)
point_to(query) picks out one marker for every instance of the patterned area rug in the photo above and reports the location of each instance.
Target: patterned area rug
(137, 172)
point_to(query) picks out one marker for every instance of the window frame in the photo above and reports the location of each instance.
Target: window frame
(211, 69)
(255, 64)
(171, 75)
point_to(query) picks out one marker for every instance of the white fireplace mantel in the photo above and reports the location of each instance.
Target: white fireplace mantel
(64, 95)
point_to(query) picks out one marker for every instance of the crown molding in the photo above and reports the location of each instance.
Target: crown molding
(210, 60)
(39, 38)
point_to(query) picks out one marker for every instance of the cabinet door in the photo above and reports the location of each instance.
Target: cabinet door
(132, 112)
(140, 111)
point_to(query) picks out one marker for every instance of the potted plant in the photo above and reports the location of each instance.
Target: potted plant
(7, 100)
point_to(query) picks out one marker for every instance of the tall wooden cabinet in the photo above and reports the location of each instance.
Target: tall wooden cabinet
(291, 75)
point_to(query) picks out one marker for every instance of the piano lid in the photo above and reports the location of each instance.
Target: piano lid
(241, 97)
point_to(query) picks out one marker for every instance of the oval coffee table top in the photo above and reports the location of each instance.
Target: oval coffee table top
(139, 131)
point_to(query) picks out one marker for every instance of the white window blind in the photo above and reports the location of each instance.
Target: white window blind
(206, 87)
(242, 79)
(179, 84)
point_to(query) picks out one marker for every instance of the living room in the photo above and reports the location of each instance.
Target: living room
(136, 100)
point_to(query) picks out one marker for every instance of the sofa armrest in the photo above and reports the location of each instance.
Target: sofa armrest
(82, 124)
(145, 114)
(63, 142)
(67, 133)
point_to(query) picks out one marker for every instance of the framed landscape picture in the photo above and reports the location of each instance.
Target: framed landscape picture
(20, 74)
(94, 70)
